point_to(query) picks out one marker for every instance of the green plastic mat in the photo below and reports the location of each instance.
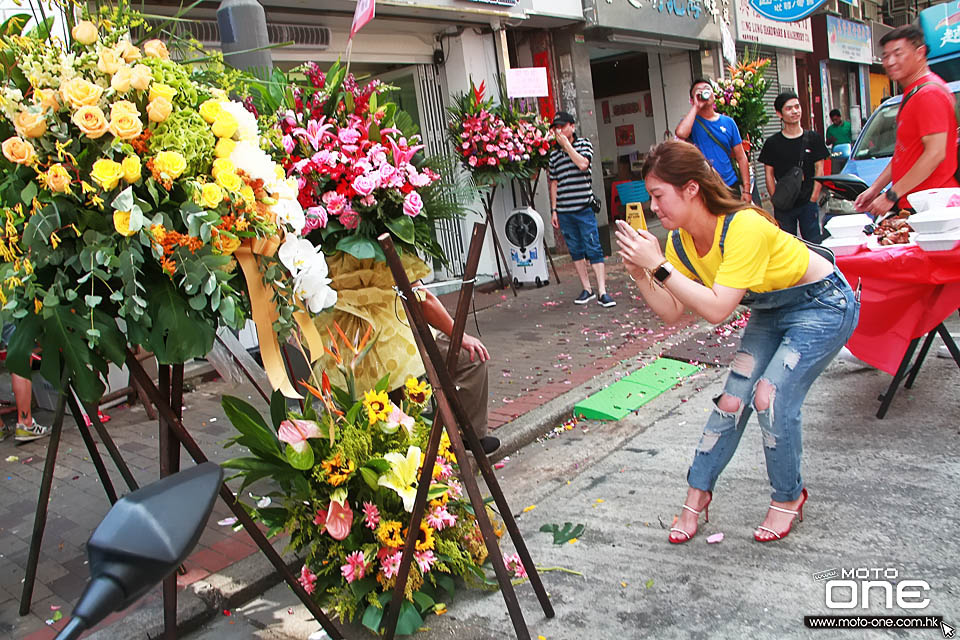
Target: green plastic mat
(635, 390)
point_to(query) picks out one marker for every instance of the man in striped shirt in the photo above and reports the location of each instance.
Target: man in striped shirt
(571, 192)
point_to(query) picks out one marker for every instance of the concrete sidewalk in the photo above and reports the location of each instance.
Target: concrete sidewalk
(882, 496)
(547, 354)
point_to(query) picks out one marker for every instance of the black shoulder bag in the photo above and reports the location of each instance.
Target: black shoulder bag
(789, 184)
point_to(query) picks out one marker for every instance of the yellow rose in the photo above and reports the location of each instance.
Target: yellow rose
(229, 181)
(121, 222)
(127, 51)
(156, 49)
(18, 151)
(159, 109)
(226, 243)
(225, 125)
(248, 196)
(91, 121)
(162, 90)
(224, 148)
(170, 163)
(222, 164)
(46, 98)
(141, 77)
(120, 82)
(30, 125)
(85, 32)
(78, 92)
(124, 124)
(211, 195)
(123, 106)
(210, 110)
(106, 173)
(58, 179)
(131, 169)
(109, 63)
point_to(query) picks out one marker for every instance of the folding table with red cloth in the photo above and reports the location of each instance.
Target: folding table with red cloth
(906, 294)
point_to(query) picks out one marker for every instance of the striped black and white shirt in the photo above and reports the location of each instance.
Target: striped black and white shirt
(574, 187)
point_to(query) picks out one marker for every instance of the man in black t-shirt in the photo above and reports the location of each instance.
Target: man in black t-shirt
(794, 147)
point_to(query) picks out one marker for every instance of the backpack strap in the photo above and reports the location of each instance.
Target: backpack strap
(909, 95)
(682, 253)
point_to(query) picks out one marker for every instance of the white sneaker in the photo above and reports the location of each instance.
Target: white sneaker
(34, 432)
(847, 356)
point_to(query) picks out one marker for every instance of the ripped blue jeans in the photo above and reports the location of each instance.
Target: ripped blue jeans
(791, 337)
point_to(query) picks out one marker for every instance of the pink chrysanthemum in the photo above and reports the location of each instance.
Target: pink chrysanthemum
(425, 560)
(355, 568)
(391, 565)
(371, 515)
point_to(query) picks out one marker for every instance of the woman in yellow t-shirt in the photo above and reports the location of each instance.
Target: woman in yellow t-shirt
(720, 255)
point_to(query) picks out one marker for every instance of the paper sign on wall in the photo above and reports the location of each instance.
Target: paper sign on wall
(362, 15)
(527, 82)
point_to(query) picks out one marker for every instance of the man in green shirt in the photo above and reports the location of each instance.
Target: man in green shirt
(839, 132)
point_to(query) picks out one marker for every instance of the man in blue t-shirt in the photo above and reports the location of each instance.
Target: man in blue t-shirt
(717, 137)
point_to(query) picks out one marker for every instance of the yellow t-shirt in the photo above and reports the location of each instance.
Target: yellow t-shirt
(757, 255)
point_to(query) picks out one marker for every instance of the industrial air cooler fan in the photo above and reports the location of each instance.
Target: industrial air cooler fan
(524, 232)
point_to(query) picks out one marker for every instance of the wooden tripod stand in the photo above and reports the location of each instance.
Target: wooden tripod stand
(451, 412)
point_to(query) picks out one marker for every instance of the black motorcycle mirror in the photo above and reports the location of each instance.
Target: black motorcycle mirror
(144, 537)
(844, 185)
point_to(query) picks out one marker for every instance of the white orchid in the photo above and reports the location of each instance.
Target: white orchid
(290, 212)
(308, 266)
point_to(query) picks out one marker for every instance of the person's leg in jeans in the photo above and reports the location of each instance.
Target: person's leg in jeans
(592, 249)
(808, 217)
(815, 332)
(572, 235)
(787, 219)
(725, 426)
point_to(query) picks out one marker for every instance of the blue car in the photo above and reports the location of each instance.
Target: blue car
(874, 146)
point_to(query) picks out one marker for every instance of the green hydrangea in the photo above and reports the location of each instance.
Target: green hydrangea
(177, 76)
(185, 131)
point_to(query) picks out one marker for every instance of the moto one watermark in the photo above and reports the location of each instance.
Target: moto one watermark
(855, 588)
(851, 588)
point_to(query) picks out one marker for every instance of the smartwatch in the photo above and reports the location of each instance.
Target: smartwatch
(891, 195)
(663, 272)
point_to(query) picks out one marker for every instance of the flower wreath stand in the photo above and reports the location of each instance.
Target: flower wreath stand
(488, 221)
(451, 412)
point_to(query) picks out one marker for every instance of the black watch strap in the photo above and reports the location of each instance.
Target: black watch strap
(891, 195)
(663, 272)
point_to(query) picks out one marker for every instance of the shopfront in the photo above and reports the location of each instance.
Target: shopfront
(843, 54)
(643, 56)
(785, 44)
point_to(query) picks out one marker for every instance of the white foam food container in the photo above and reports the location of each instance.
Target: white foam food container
(938, 220)
(939, 241)
(845, 246)
(932, 198)
(848, 226)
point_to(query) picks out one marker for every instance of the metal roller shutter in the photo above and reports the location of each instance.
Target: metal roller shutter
(773, 123)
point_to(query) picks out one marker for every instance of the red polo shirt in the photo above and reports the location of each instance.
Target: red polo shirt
(930, 110)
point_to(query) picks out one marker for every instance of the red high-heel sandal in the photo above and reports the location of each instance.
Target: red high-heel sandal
(706, 511)
(780, 535)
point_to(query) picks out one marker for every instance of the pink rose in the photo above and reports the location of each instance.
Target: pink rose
(386, 172)
(364, 184)
(412, 204)
(316, 218)
(472, 161)
(350, 219)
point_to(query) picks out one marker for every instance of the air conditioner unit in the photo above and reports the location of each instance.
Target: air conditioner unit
(208, 33)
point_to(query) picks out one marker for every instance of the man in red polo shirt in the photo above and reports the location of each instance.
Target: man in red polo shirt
(925, 156)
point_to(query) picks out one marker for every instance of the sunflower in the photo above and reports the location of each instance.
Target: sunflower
(425, 539)
(377, 404)
(336, 471)
(444, 449)
(418, 391)
(389, 533)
